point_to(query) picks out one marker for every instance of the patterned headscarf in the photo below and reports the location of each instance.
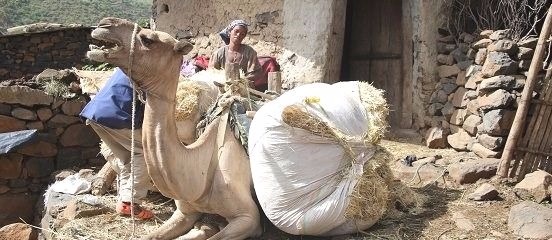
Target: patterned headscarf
(225, 33)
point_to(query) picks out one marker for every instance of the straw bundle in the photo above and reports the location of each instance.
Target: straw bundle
(187, 99)
(376, 109)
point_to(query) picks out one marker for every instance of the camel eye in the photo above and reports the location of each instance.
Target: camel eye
(146, 41)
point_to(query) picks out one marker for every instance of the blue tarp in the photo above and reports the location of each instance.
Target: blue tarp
(12, 140)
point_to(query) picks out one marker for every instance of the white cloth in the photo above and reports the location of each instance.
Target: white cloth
(302, 180)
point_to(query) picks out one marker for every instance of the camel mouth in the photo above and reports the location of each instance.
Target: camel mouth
(106, 48)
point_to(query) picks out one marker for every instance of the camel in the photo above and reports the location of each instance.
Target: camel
(211, 175)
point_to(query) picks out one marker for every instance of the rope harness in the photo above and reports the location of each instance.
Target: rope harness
(132, 138)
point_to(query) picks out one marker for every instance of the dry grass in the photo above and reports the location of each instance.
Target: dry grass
(187, 99)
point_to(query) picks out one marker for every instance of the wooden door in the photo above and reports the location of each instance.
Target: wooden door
(373, 49)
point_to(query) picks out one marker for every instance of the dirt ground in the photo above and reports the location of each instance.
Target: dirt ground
(433, 221)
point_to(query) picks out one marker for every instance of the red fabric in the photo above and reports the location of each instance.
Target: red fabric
(202, 62)
(268, 64)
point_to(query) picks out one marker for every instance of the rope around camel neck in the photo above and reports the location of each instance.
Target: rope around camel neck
(131, 54)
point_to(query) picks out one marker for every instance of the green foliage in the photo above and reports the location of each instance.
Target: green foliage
(86, 12)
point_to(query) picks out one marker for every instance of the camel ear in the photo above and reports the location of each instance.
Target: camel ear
(183, 47)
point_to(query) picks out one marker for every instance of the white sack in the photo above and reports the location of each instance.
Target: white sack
(302, 180)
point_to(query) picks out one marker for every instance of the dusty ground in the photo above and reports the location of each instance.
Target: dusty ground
(433, 221)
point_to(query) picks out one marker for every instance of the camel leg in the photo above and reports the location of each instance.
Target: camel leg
(240, 227)
(201, 231)
(180, 222)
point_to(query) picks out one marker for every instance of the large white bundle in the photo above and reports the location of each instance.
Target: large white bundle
(304, 181)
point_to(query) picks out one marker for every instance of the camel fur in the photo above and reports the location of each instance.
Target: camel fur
(211, 175)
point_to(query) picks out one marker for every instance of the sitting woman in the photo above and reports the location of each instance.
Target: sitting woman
(236, 52)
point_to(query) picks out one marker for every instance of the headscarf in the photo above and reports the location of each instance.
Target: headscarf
(225, 33)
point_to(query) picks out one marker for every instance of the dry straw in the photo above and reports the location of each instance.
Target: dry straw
(187, 98)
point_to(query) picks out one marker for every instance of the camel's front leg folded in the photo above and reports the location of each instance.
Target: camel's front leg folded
(180, 222)
(240, 227)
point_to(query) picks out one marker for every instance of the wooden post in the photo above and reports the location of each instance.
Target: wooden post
(275, 82)
(523, 106)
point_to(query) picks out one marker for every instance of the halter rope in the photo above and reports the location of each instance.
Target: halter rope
(131, 54)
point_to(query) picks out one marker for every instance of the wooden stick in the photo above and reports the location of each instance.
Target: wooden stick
(523, 107)
(261, 94)
(104, 180)
(275, 82)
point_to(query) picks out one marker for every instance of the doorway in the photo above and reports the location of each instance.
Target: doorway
(373, 50)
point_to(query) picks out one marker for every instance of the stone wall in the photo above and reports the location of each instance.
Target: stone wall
(63, 142)
(481, 79)
(30, 53)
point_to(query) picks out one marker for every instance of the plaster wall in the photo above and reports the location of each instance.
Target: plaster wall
(426, 18)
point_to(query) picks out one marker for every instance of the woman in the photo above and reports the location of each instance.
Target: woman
(236, 52)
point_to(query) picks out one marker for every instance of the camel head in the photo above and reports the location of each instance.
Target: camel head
(155, 53)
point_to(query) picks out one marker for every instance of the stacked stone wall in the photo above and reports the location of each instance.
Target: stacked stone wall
(30, 53)
(63, 142)
(481, 78)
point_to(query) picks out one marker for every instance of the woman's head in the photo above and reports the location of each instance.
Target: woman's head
(235, 32)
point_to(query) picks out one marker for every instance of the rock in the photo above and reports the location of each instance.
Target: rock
(480, 56)
(460, 99)
(39, 149)
(38, 125)
(69, 157)
(524, 64)
(448, 71)
(10, 165)
(10, 124)
(79, 135)
(497, 122)
(486, 33)
(461, 78)
(483, 43)
(464, 64)
(24, 96)
(61, 120)
(496, 82)
(485, 192)
(503, 45)
(39, 167)
(436, 138)
(16, 206)
(530, 220)
(530, 42)
(483, 152)
(65, 76)
(446, 39)
(499, 34)
(448, 88)
(458, 116)
(426, 173)
(435, 109)
(471, 123)
(19, 231)
(468, 38)
(525, 53)
(472, 107)
(459, 140)
(473, 170)
(495, 100)
(438, 97)
(23, 113)
(535, 185)
(445, 48)
(462, 222)
(447, 110)
(44, 114)
(445, 59)
(73, 107)
(491, 142)
(5, 109)
(474, 80)
(458, 55)
(498, 63)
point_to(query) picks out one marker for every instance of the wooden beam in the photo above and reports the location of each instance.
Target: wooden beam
(526, 94)
(407, 60)
(275, 82)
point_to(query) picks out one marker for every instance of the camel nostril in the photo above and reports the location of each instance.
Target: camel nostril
(164, 8)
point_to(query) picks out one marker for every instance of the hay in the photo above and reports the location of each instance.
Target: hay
(57, 89)
(187, 99)
(377, 111)
(297, 116)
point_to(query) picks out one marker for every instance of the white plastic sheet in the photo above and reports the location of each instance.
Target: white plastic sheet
(303, 180)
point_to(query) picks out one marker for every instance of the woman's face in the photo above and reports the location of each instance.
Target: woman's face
(238, 34)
